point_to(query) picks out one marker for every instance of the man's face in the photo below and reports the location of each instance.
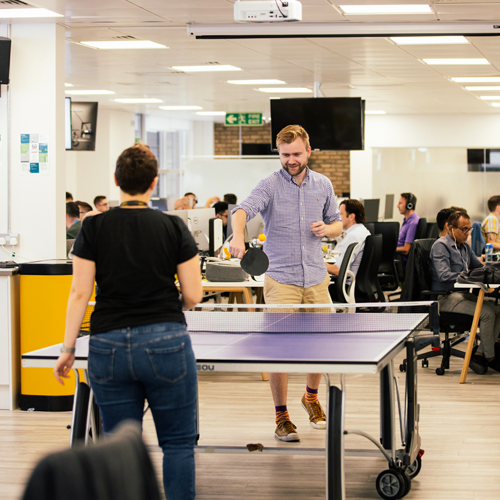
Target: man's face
(460, 232)
(223, 217)
(294, 156)
(192, 200)
(402, 205)
(346, 219)
(103, 206)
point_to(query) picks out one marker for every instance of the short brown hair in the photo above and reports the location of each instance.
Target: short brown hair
(493, 203)
(136, 169)
(453, 218)
(355, 207)
(290, 133)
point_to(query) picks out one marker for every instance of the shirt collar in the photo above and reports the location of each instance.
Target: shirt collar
(412, 216)
(75, 221)
(352, 228)
(451, 241)
(290, 178)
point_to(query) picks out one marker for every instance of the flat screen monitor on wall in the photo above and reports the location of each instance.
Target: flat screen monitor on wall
(67, 122)
(5, 44)
(83, 126)
(333, 123)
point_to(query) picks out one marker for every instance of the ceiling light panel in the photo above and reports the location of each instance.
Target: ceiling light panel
(476, 79)
(89, 92)
(386, 9)
(26, 13)
(429, 40)
(138, 101)
(495, 104)
(456, 61)
(483, 87)
(125, 44)
(206, 68)
(211, 113)
(298, 90)
(256, 82)
(180, 108)
(375, 112)
(490, 98)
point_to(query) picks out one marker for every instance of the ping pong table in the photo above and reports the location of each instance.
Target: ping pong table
(302, 342)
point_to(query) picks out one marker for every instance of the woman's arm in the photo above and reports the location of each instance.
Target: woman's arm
(81, 290)
(189, 275)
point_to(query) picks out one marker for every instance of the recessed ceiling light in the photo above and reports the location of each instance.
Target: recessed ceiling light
(495, 104)
(490, 98)
(275, 98)
(476, 79)
(125, 44)
(180, 108)
(68, 85)
(211, 113)
(291, 90)
(256, 82)
(26, 13)
(88, 92)
(375, 112)
(483, 87)
(455, 61)
(208, 67)
(428, 40)
(138, 101)
(386, 9)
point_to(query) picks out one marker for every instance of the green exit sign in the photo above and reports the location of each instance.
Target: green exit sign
(243, 119)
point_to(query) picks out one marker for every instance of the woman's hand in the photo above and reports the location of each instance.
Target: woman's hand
(63, 366)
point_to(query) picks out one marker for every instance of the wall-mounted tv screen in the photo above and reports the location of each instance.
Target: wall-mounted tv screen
(333, 123)
(83, 125)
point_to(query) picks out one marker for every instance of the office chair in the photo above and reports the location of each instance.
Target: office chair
(367, 287)
(339, 291)
(417, 287)
(120, 467)
(477, 239)
(370, 226)
(432, 230)
(387, 273)
(421, 229)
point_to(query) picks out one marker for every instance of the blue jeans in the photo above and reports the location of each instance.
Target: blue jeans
(156, 363)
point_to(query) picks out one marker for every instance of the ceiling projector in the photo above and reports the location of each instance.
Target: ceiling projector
(267, 11)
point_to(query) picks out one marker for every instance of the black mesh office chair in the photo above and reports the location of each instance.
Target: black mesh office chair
(340, 292)
(432, 230)
(421, 229)
(387, 273)
(417, 287)
(367, 287)
(370, 226)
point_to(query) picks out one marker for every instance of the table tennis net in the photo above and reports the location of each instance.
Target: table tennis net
(301, 319)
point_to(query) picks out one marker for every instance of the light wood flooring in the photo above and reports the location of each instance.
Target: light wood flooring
(459, 425)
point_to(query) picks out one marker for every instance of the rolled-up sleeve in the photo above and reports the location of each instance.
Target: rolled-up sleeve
(257, 201)
(331, 211)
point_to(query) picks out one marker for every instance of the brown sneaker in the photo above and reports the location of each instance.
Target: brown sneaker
(285, 431)
(317, 417)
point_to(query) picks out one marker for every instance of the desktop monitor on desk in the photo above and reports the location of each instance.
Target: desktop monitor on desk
(198, 222)
(254, 227)
(389, 206)
(371, 209)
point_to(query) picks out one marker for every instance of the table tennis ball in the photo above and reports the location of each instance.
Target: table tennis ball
(262, 237)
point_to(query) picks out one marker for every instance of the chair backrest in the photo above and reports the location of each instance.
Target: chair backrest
(340, 282)
(477, 239)
(367, 285)
(421, 228)
(432, 230)
(370, 226)
(390, 233)
(418, 272)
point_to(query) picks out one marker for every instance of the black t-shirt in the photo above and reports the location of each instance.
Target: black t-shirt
(136, 252)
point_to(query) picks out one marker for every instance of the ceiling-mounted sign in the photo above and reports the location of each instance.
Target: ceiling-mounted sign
(248, 119)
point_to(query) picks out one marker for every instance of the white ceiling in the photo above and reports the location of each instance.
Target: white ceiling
(390, 77)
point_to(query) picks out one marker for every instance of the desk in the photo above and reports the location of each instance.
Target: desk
(308, 343)
(241, 287)
(475, 323)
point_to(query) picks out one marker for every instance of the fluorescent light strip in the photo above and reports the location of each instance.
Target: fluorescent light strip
(26, 13)
(180, 108)
(490, 97)
(483, 87)
(68, 85)
(495, 104)
(138, 101)
(476, 79)
(428, 40)
(291, 90)
(375, 112)
(386, 9)
(256, 82)
(89, 92)
(211, 113)
(436, 62)
(125, 44)
(210, 67)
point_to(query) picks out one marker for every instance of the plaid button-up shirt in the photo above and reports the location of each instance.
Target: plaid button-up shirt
(288, 210)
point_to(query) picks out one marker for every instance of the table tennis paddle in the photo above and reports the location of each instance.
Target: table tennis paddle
(255, 262)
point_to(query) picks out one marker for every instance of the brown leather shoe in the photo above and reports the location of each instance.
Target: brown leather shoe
(285, 431)
(317, 417)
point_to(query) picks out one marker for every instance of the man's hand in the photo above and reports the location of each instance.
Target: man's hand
(237, 246)
(63, 366)
(319, 229)
(210, 201)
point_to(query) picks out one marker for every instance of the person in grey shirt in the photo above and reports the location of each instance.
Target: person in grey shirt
(450, 255)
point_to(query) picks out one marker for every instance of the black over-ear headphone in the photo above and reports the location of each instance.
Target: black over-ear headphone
(410, 203)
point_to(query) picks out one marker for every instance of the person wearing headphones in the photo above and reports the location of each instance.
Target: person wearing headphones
(450, 255)
(406, 206)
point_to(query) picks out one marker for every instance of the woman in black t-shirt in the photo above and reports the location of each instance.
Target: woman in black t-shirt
(139, 348)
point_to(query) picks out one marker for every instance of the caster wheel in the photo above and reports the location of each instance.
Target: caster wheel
(402, 367)
(391, 484)
(425, 363)
(440, 371)
(413, 470)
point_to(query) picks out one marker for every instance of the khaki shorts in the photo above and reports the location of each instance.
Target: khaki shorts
(277, 293)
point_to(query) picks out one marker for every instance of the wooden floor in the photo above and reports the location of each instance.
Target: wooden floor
(460, 429)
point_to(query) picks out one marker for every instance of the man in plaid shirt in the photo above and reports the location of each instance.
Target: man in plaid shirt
(490, 226)
(299, 208)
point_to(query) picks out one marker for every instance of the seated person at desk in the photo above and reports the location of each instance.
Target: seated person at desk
(450, 255)
(84, 209)
(352, 214)
(230, 199)
(182, 204)
(490, 226)
(73, 224)
(192, 200)
(406, 206)
(442, 220)
(221, 212)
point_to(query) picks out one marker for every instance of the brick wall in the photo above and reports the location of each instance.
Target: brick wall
(334, 164)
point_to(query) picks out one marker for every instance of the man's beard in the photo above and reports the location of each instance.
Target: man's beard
(301, 169)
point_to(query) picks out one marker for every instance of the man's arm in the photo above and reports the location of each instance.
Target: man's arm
(238, 222)
(320, 229)
(332, 269)
(492, 238)
(405, 249)
(440, 257)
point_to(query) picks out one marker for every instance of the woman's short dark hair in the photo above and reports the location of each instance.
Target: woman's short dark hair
(136, 169)
(355, 207)
(453, 218)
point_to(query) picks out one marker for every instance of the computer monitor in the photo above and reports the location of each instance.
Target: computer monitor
(199, 225)
(159, 204)
(371, 209)
(255, 227)
(182, 214)
(389, 206)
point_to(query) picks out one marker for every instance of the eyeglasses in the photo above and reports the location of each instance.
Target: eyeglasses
(465, 230)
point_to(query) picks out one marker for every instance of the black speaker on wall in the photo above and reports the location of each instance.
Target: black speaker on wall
(4, 60)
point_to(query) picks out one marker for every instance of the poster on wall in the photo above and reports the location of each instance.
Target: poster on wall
(83, 126)
(34, 154)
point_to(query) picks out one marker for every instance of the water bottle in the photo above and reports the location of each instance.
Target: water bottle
(488, 251)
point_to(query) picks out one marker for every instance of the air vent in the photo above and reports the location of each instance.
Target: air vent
(13, 2)
(156, 73)
(124, 37)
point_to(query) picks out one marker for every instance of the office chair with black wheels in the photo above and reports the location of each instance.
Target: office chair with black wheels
(367, 287)
(340, 292)
(417, 287)
(370, 226)
(387, 273)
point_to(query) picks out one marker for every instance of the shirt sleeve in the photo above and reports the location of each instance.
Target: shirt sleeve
(83, 246)
(490, 225)
(331, 211)
(440, 258)
(187, 248)
(258, 199)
